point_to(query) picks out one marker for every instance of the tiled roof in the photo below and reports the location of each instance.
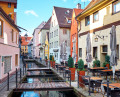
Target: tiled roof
(24, 42)
(10, 21)
(39, 27)
(90, 5)
(62, 15)
(77, 11)
(11, 1)
(47, 25)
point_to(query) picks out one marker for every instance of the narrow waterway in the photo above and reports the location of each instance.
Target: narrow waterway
(41, 77)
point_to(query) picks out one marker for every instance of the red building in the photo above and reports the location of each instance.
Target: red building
(74, 34)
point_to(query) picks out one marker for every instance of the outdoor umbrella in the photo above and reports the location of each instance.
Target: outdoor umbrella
(88, 50)
(113, 57)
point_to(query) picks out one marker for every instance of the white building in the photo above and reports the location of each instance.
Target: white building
(60, 33)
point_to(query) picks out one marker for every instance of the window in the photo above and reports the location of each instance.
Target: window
(52, 34)
(9, 5)
(7, 63)
(57, 32)
(12, 35)
(16, 38)
(116, 6)
(104, 49)
(1, 28)
(64, 31)
(80, 52)
(87, 20)
(117, 49)
(95, 16)
(94, 52)
(69, 20)
(16, 59)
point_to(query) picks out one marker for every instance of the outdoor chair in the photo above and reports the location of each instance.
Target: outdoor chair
(86, 82)
(105, 90)
(115, 93)
(97, 85)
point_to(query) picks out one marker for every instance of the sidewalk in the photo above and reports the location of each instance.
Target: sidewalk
(12, 83)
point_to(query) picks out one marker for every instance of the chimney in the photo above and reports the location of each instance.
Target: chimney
(78, 6)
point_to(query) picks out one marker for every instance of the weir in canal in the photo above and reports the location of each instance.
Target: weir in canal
(42, 82)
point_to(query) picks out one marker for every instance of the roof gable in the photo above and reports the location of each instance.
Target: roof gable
(62, 15)
(47, 25)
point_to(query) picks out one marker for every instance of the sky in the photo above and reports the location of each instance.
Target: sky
(30, 13)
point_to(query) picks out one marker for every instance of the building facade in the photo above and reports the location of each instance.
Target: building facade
(59, 36)
(74, 34)
(8, 6)
(47, 45)
(9, 45)
(30, 48)
(97, 19)
(24, 45)
(36, 40)
(42, 34)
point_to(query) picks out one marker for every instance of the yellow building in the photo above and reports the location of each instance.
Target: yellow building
(8, 6)
(44, 40)
(47, 45)
(97, 19)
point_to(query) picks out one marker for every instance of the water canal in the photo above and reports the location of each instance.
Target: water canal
(41, 77)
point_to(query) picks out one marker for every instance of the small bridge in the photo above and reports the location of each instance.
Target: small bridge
(47, 86)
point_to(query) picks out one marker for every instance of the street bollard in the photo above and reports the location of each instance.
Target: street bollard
(89, 85)
(20, 75)
(8, 82)
(70, 78)
(107, 88)
(16, 77)
(78, 80)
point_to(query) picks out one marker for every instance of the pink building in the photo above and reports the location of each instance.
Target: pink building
(36, 40)
(9, 45)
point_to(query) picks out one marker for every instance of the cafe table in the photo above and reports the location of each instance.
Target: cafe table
(109, 72)
(112, 85)
(96, 69)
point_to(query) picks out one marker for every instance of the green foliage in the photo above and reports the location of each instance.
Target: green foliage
(45, 57)
(70, 62)
(80, 65)
(53, 58)
(107, 59)
(50, 57)
(96, 63)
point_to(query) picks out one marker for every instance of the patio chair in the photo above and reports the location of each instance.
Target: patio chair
(86, 82)
(115, 93)
(97, 85)
(105, 90)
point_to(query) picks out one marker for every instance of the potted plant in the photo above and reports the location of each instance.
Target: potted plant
(96, 63)
(71, 68)
(107, 62)
(81, 72)
(53, 62)
(46, 59)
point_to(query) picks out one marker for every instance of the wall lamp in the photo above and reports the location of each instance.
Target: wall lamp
(98, 36)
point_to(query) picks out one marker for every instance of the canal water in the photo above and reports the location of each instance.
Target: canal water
(45, 76)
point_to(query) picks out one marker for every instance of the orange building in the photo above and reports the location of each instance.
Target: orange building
(8, 6)
(24, 44)
(74, 34)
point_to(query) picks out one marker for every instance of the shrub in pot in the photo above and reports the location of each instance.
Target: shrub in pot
(81, 72)
(107, 62)
(96, 63)
(53, 62)
(71, 68)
